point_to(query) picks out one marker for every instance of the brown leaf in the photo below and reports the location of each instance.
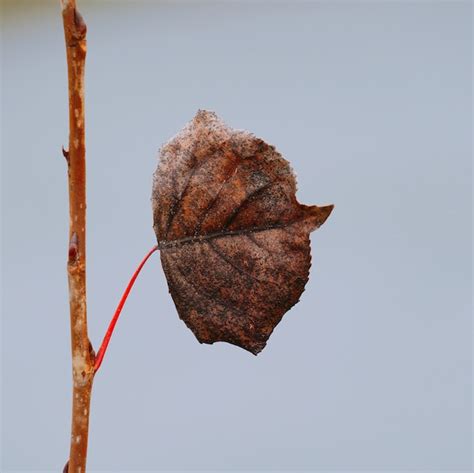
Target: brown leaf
(234, 240)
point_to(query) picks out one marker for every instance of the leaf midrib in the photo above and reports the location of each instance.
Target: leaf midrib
(165, 244)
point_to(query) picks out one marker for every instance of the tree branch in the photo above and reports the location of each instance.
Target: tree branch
(82, 353)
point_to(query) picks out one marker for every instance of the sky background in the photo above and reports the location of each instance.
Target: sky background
(371, 104)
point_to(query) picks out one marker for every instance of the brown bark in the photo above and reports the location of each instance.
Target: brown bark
(82, 353)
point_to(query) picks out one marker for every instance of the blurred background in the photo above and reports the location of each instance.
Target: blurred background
(371, 103)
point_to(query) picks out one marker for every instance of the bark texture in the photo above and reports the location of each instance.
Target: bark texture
(82, 353)
(234, 241)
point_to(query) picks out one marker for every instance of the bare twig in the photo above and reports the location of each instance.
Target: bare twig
(82, 353)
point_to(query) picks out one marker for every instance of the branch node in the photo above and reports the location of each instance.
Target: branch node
(65, 154)
(73, 248)
(91, 353)
(80, 26)
(74, 25)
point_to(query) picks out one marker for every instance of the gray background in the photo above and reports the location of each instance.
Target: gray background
(371, 104)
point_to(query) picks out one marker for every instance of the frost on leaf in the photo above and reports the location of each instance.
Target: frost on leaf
(234, 241)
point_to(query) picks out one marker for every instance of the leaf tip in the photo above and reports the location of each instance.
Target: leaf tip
(318, 215)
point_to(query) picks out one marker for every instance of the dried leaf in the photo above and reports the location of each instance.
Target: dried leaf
(234, 240)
